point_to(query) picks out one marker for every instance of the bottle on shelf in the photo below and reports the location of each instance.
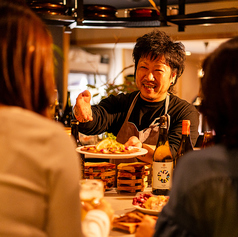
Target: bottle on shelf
(162, 167)
(57, 116)
(55, 108)
(67, 115)
(186, 143)
(75, 131)
(208, 139)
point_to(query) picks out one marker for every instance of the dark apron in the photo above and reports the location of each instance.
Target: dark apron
(148, 135)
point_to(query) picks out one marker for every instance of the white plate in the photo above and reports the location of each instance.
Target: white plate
(146, 211)
(141, 151)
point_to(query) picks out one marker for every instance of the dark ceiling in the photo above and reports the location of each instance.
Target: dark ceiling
(123, 4)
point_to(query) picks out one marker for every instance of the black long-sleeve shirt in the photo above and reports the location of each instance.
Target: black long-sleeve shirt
(110, 114)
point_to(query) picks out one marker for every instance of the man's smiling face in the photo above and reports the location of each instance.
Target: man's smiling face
(153, 78)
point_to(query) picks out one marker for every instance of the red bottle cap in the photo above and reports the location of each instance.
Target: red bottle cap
(186, 127)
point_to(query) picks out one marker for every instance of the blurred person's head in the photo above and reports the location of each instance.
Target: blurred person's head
(157, 45)
(26, 58)
(220, 92)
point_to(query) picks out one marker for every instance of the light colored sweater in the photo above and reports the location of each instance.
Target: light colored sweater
(39, 173)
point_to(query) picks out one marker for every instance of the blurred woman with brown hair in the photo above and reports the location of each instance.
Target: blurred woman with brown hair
(39, 170)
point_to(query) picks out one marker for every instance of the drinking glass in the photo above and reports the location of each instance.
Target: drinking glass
(91, 191)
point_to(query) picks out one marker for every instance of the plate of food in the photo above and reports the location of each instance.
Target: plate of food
(109, 148)
(129, 152)
(150, 204)
(147, 211)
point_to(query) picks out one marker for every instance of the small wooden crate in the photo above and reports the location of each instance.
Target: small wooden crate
(101, 170)
(132, 177)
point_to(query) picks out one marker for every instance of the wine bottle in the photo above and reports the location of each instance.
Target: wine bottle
(57, 116)
(185, 143)
(75, 131)
(162, 161)
(67, 115)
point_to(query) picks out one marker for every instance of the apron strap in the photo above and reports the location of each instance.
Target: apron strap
(167, 103)
(155, 122)
(131, 107)
(144, 134)
(166, 109)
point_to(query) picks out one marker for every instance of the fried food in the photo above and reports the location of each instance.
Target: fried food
(156, 203)
(129, 221)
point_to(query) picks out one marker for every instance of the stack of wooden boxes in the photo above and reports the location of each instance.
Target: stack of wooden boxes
(133, 177)
(101, 170)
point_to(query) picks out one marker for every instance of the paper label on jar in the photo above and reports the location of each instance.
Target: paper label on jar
(162, 175)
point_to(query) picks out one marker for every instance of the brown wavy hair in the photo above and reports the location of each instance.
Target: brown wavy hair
(220, 92)
(26, 58)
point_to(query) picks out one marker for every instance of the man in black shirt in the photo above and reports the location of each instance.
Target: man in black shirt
(159, 62)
